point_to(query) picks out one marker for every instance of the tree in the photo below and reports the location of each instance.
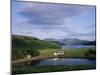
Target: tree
(91, 53)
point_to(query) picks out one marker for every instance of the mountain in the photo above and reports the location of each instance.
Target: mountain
(90, 43)
(71, 41)
(51, 39)
(54, 41)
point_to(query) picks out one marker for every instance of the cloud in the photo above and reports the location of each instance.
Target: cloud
(91, 27)
(49, 14)
(46, 20)
(82, 34)
(85, 36)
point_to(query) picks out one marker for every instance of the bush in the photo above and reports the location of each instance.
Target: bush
(91, 53)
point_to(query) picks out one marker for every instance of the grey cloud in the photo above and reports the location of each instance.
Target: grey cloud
(83, 34)
(48, 20)
(50, 14)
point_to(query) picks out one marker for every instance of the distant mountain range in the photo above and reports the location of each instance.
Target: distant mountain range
(71, 41)
(55, 41)
(90, 43)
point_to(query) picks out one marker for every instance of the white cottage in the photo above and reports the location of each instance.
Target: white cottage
(59, 53)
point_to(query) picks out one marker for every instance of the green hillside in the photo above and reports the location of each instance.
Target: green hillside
(22, 45)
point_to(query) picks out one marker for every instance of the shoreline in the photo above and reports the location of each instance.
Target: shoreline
(23, 60)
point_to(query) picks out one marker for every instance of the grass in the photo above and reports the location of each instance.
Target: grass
(47, 52)
(77, 52)
(40, 69)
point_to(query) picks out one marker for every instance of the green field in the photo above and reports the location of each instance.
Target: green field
(78, 52)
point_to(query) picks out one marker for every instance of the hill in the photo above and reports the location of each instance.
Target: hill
(22, 45)
(90, 43)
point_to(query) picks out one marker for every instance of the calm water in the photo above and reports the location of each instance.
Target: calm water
(66, 61)
(77, 46)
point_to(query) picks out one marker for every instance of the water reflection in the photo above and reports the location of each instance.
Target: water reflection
(64, 61)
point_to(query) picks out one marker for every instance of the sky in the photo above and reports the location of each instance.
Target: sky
(52, 20)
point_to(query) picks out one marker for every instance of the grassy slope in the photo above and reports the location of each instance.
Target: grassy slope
(31, 42)
(22, 44)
